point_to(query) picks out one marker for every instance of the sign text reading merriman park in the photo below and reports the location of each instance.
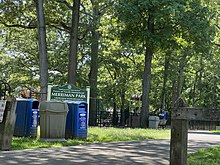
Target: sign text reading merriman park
(68, 92)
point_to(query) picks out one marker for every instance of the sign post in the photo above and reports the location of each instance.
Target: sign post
(7, 115)
(7, 123)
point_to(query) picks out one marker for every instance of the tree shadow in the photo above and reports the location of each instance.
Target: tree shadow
(132, 152)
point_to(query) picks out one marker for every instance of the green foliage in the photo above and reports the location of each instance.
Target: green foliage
(191, 25)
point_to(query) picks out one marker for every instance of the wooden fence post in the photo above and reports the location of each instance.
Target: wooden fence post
(180, 117)
(179, 137)
(7, 125)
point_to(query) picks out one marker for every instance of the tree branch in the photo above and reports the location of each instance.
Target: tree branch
(52, 24)
(84, 10)
(19, 26)
(128, 56)
(216, 44)
(218, 26)
(65, 26)
(56, 25)
(92, 2)
(84, 35)
(106, 6)
(59, 28)
(66, 3)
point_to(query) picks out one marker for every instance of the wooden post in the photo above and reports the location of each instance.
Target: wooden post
(179, 128)
(179, 137)
(178, 144)
(7, 125)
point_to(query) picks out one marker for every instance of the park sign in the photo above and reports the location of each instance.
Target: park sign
(66, 92)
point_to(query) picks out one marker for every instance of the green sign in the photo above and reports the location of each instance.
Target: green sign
(67, 92)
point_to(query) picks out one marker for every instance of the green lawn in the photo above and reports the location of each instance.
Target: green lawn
(210, 156)
(95, 135)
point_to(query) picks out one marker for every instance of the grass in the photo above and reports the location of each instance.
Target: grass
(216, 131)
(210, 156)
(95, 135)
(119, 134)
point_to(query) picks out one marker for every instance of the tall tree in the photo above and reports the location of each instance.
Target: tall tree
(94, 59)
(143, 25)
(72, 65)
(43, 59)
(98, 9)
(165, 78)
(157, 25)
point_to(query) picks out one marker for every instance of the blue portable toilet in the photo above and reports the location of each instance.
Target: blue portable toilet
(26, 117)
(76, 121)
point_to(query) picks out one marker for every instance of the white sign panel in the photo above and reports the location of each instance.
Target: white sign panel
(2, 109)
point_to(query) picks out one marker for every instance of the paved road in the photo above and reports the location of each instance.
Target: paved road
(152, 152)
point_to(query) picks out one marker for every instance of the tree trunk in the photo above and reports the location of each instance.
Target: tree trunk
(174, 94)
(146, 88)
(200, 75)
(163, 93)
(115, 114)
(180, 75)
(72, 65)
(42, 49)
(193, 95)
(93, 76)
(122, 111)
(94, 66)
(147, 75)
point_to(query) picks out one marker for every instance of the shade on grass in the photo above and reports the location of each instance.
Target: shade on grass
(95, 135)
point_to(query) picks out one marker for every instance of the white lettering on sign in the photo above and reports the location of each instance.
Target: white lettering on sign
(2, 109)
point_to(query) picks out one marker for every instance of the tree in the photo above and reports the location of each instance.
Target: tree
(93, 74)
(112, 48)
(157, 24)
(42, 49)
(97, 10)
(72, 64)
(139, 19)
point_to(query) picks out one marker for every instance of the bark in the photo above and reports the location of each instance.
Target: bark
(42, 49)
(194, 90)
(146, 88)
(122, 117)
(181, 74)
(174, 94)
(115, 114)
(200, 78)
(94, 65)
(165, 74)
(72, 65)
(147, 76)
